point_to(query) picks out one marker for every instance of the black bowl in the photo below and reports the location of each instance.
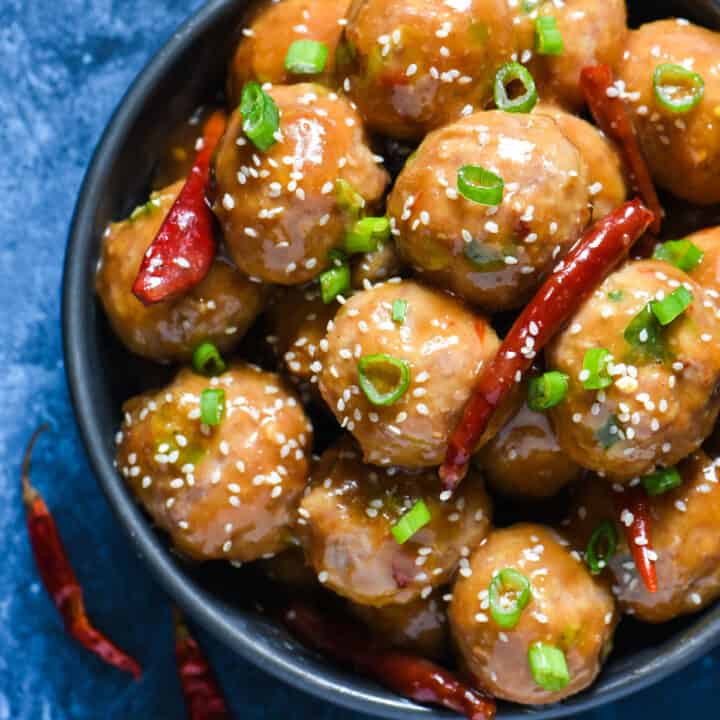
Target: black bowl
(102, 375)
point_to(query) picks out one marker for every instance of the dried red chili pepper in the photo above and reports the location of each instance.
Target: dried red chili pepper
(409, 675)
(614, 120)
(181, 254)
(586, 265)
(203, 698)
(636, 502)
(58, 576)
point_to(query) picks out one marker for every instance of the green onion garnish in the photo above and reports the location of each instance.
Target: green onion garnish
(615, 295)
(412, 521)
(595, 369)
(509, 73)
(207, 360)
(306, 57)
(508, 595)
(399, 309)
(671, 307)
(682, 254)
(147, 209)
(383, 378)
(485, 258)
(676, 88)
(547, 390)
(662, 481)
(480, 185)
(645, 334)
(609, 433)
(212, 406)
(548, 39)
(601, 547)
(348, 198)
(261, 117)
(366, 234)
(334, 281)
(548, 666)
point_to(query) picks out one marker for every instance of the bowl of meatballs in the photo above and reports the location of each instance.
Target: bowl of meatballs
(393, 333)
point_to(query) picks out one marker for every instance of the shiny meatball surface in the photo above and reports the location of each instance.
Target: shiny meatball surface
(681, 149)
(442, 345)
(707, 272)
(279, 210)
(494, 256)
(229, 491)
(414, 65)
(568, 609)
(220, 309)
(661, 400)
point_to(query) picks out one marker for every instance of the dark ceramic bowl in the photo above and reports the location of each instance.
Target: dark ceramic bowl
(102, 375)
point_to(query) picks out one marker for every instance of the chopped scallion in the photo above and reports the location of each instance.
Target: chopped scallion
(412, 521)
(261, 117)
(673, 306)
(399, 310)
(662, 481)
(676, 88)
(682, 254)
(479, 185)
(306, 57)
(548, 39)
(509, 594)
(207, 360)
(601, 547)
(548, 666)
(547, 390)
(212, 406)
(508, 74)
(383, 378)
(366, 234)
(595, 374)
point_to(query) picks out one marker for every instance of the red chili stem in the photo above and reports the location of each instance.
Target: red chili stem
(409, 675)
(58, 576)
(203, 697)
(587, 264)
(637, 533)
(182, 253)
(612, 116)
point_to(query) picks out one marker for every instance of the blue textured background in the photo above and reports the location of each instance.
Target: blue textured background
(64, 65)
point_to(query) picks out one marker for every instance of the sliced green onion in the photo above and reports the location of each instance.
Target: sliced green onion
(261, 117)
(412, 521)
(508, 595)
(662, 481)
(609, 433)
(147, 209)
(485, 258)
(399, 309)
(334, 282)
(615, 295)
(601, 547)
(673, 306)
(645, 334)
(676, 88)
(548, 666)
(595, 375)
(306, 57)
(383, 378)
(480, 185)
(366, 234)
(348, 198)
(207, 360)
(509, 73)
(547, 390)
(682, 254)
(548, 39)
(212, 406)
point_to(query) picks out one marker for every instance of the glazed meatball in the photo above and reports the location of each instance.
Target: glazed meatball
(683, 534)
(567, 609)
(661, 399)
(228, 491)
(418, 64)
(279, 210)
(707, 272)
(261, 53)
(346, 520)
(524, 459)
(605, 172)
(493, 256)
(439, 344)
(220, 309)
(681, 149)
(419, 626)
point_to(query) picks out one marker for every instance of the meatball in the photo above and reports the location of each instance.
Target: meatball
(605, 172)
(419, 626)
(681, 149)
(568, 609)
(683, 534)
(261, 53)
(439, 344)
(220, 309)
(346, 519)
(279, 210)
(707, 272)
(493, 256)
(524, 459)
(417, 64)
(661, 399)
(228, 491)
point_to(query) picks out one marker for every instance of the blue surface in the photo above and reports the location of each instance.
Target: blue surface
(64, 65)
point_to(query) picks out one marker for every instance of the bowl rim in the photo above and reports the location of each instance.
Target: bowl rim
(669, 657)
